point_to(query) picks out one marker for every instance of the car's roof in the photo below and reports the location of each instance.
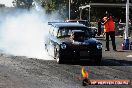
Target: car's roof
(66, 24)
(77, 31)
(75, 20)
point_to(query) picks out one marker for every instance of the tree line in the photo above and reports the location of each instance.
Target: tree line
(62, 7)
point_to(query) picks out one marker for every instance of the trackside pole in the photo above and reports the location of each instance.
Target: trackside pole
(69, 9)
(126, 40)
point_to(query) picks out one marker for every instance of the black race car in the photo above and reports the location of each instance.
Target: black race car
(72, 42)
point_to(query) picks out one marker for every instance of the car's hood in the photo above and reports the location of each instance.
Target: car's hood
(89, 41)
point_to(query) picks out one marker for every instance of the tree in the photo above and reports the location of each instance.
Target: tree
(62, 7)
(22, 3)
(48, 5)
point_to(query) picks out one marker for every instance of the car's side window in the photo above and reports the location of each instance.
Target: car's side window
(51, 30)
(70, 32)
(62, 32)
(55, 31)
(59, 33)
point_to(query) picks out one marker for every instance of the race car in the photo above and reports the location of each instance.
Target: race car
(72, 42)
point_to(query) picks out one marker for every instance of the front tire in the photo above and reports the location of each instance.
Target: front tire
(98, 61)
(57, 56)
(58, 59)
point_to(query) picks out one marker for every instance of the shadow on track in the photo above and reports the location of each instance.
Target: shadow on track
(114, 62)
(104, 62)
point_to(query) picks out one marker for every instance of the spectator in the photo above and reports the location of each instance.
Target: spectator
(109, 29)
(99, 27)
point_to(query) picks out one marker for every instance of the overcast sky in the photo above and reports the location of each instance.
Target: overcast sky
(6, 2)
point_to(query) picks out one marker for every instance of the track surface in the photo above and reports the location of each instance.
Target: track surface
(23, 72)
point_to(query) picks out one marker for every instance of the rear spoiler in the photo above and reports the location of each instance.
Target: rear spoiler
(50, 23)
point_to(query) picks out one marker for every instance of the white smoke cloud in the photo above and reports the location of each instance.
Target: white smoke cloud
(24, 34)
(7, 3)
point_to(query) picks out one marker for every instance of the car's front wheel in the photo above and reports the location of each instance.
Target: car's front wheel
(58, 59)
(57, 56)
(98, 61)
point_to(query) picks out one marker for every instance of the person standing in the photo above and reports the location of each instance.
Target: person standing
(99, 27)
(109, 29)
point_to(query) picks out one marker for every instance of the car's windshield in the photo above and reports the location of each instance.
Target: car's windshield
(67, 31)
(84, 23)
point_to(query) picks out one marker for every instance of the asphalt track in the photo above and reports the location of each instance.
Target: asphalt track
(23, 72)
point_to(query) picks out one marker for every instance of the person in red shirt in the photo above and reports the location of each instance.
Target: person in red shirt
(109, 29)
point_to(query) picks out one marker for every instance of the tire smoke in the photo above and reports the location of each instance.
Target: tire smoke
(23, 33)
